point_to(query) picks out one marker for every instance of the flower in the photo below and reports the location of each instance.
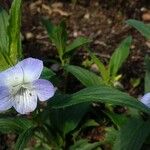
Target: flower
(146, 99)
(20, 86)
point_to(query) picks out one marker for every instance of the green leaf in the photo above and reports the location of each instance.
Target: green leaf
(118, 120)
(78, 42)
(15, 51)
(14, 124)
(101, 94)
(4, 63)
(57, 35)
(24, 138)
(102, 68)
(132, 135)
(47, 73)
(60, 38)
(119, 56)
(67, 119)
(86, 77)
(83, 144)
(144, 29)
(49, 27)
(147, 74)
(4, 42)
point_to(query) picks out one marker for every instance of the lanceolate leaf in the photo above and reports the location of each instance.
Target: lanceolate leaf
(24, 138)
(60, 37)
(14, 124)
(147, 74)
(49, 27)
(4, 64)
(67, 119)
(4, 42)
(78, 42)
(57, 35)
(141, 27)
(86, 77)
(101, 94)
(4, 17)
(14, 31)
(117, 119)
(119, 56)
(132, 135)
(102, 68)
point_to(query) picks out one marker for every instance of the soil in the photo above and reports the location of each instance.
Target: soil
(100, 20)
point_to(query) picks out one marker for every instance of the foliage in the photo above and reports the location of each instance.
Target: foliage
(10, 41)
(132, 135)
(147, 74)
(58, 36)
(109, 73)
(86, 77)
(144, 29)
(100, 94)
(61, 123)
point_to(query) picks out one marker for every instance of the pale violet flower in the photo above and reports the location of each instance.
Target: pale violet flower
(146, 99)
(20, 86)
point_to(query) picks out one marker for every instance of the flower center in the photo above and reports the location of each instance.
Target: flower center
(21, 91)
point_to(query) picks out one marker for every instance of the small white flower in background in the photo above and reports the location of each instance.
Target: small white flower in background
(20, 86)
(146, 99)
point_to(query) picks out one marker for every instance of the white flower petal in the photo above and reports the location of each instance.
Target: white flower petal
(5, 99)
(25, 102)
(146, 99)
(44, 89)
(32, 69)
(11, 77)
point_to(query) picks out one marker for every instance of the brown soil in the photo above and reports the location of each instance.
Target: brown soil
(101, 21)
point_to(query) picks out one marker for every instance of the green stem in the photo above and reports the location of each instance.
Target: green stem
(62, 61)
